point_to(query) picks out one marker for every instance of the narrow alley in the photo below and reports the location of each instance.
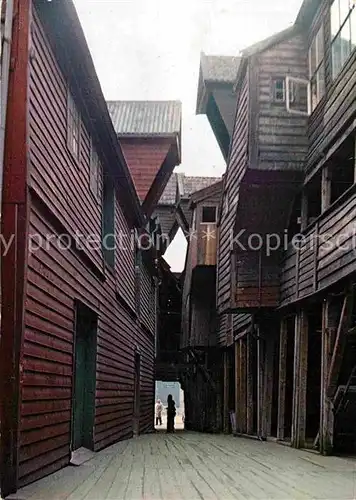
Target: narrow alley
(198, 466)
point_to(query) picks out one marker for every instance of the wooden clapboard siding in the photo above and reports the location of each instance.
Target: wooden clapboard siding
(61, 203)
(147, 296)
(282, 142)
(55, 174)
(235, 171)
(326, 256)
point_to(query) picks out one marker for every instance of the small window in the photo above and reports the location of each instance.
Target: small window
(279, 90)
(109, 243)
(209, 215)
(73, 127)
(95, 174)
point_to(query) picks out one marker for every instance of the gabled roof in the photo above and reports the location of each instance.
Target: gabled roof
(146, 118)
(169, 194)
(307, 11)
(269, 42)
(206, 192)
(190, 185)
(221, 69)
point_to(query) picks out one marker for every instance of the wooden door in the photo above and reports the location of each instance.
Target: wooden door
(84, 378)
(137, 386)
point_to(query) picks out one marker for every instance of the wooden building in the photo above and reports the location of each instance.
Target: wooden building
(79, 295)
(198, 333)
(285, 254)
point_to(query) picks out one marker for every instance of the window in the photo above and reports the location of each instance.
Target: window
(208, 215)
(95, 173)
(138, 264)
(343, 32)
(316, 69)
(298, 101)
(279, 89)
(109, 222)
(73, 127)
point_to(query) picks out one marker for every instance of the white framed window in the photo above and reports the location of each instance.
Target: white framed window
(95, 173)
(343, 32)
(316, 68)
(298, 96)
(279, 89)
(73, 127)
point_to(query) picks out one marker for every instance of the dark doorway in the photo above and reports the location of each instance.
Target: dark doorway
(84, 378)
(137, 386)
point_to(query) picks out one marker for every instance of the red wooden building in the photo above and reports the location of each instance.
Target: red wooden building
(79, 296)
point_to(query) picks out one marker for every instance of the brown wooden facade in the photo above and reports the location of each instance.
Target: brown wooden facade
(77, 317)
(286, 315)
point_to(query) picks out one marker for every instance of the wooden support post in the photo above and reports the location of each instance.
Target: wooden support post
(300, 380)
(259, 384)
(226, 391)
(325, 188)
(267, 387)
(304, 211)
(249, 385)
(329, 326)
(237, 385)
(355, 163)
(243, 399)
(282, 378)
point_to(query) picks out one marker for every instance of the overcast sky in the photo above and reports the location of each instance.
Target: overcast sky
(150, 49)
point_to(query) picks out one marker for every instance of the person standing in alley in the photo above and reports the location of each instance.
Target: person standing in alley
(159, 409)
(171, 413)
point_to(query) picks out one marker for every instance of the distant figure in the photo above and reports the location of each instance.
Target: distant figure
(171, 413)
(159, 409)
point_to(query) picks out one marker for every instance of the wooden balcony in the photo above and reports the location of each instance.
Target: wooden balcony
(325, 256)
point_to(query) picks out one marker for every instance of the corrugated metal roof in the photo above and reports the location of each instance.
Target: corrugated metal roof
(146, 118)
(219, 68)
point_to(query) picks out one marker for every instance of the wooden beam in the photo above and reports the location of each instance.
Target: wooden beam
(249, 384)
(300, 380)
(226, 392)
(329, 326)
(282, 378)
(325, 188)
(14, 227)
(304, 211)
(237, 385)
(259, 384)
(243, 398)
(340, 341)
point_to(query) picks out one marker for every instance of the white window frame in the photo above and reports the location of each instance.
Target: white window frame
(319, 65)
(73, 126)
(292, 79)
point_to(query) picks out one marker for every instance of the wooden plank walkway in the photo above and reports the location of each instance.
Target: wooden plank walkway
(199, 466)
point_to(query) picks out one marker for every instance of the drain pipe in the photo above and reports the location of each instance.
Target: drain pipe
(6, 36)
